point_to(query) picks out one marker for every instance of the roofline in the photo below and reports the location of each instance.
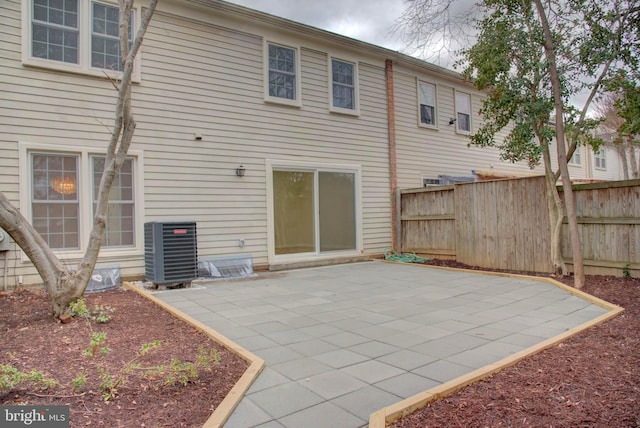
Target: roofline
(280, 22)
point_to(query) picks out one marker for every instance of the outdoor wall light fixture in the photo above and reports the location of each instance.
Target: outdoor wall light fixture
(452, 121)
(240, 171)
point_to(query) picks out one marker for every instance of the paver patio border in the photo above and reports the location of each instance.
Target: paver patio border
(389, 414)
(256, 364)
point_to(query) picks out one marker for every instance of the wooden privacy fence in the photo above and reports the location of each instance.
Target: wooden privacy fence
(504, 224)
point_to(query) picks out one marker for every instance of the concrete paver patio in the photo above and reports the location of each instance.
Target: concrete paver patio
(341, 342)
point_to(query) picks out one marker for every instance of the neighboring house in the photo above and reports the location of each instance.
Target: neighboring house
(324, 127)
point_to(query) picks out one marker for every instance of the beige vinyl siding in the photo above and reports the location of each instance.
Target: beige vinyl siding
(221, 96)
(199, 77)
(426, 152)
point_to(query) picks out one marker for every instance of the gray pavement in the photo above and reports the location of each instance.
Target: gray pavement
(341, 342)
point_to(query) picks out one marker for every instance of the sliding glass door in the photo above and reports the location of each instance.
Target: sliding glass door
(314, 211)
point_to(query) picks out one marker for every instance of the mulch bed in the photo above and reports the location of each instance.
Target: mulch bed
(31, 339)
(590, 380)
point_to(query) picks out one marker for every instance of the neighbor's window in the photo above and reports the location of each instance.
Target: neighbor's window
(427, 103)
(120, 228)
(74, 35)
(426, 182)
(601, 158)
(54, 199)
(575, 158)
(282, 72)
(343, 84)
(463, 112)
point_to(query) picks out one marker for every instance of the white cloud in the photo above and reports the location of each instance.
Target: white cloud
(369, 21)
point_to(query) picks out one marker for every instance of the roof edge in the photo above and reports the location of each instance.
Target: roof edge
(280, 22)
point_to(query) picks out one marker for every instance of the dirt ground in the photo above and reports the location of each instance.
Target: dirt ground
(590, 380)
(31, 339)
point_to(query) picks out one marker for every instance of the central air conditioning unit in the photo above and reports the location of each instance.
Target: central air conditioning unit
(170, 252)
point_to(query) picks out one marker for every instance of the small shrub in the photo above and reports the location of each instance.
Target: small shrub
(626, 271)
(108, 385)
(97, 343)
(80, 381)
(11, 377)
(102, 314)
(79, 308)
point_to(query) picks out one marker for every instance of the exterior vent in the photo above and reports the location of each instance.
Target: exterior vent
(104, 278)
(239, 266)
(170, 252)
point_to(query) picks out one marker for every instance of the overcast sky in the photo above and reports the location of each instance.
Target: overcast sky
(366, 20)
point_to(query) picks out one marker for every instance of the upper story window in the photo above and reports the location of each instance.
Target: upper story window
(105, 37)
(283, 81)
(80, 36)
(600, 158)
(575, 158)
(463, 112)
(343, 93)
(427, 103)
(55, 30)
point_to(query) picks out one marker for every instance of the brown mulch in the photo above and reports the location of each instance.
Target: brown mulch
(31, 339)
(590, 380)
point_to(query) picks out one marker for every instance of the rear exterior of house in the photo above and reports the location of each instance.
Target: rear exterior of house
(323, 126)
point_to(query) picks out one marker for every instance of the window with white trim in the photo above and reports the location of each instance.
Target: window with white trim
(600, 158)
(427, 103)
(55, 30)
(59, 205)
(343, 85)
(120, 227)
(575, 158)
(428, 182)
(105, 37)
(282, 72)
(463, 112)
(74, 35)
(55, 207)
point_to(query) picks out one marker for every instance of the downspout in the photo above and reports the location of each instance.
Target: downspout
(393, 176)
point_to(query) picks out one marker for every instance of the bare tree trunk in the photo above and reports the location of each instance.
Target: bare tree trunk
(622, 152)
(121, 137)
(578, 263)
(556, 213)
(53, 273)
(63, 285)
(635, 165)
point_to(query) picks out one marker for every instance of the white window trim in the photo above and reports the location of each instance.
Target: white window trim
(436, 112)
(603, 157)
(455, 105)
(575, 161)
(429, 178)
(272, 165)
(297, 102)
(85, 196)
(356, 87)
(84, 41)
